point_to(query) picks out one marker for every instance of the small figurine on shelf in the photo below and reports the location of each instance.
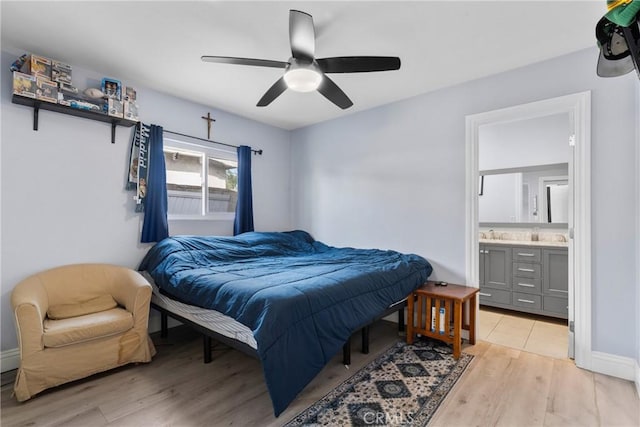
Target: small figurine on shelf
(111, 88)
(60, 72)
(67, 88)
(129, 94)
(19, 63)
(114, 108)
(131, 110)
(46, 90)
(38, 66)
(24, 84)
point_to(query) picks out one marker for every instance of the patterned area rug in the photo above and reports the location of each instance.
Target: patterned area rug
(403, 386)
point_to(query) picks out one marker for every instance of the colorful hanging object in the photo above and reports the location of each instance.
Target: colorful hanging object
(139, 164)
(622, 12)
(618, 35)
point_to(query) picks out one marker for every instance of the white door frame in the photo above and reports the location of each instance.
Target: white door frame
(579, 107)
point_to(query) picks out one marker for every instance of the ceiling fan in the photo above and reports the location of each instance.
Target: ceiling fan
(304, 72)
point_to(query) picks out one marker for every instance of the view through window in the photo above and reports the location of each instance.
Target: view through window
(199, 182)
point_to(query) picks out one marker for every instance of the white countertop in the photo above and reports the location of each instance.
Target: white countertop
(525, 243)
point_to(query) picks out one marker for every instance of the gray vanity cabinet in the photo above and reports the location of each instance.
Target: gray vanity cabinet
(495, 275)
(556, 272)
(527, 278)
(555, 284)
(495, 266)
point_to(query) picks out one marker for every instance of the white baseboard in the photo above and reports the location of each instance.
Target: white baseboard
(615, 366)
(9, 360)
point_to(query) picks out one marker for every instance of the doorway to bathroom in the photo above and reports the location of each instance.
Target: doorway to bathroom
(523, 221)
(528, 225)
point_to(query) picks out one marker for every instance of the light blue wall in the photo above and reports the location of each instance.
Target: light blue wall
(63, 198)
(394, 177)
(391, 177)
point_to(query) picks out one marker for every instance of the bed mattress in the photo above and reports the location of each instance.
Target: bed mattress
(210, 319)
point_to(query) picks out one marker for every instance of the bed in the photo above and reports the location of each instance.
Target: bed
(300, 299)
(226, 330)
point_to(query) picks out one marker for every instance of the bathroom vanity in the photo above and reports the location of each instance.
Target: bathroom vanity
(528, 276)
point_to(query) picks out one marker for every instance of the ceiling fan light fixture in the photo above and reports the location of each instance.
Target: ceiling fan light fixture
(303, 72)
(302, 79)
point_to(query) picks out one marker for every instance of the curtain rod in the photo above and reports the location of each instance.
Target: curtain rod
(208, 140)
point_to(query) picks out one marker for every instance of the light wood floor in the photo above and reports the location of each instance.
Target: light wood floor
(535, 334)
(501, 387)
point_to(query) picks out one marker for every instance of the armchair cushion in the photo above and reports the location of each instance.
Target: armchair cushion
(74, 330)
(94, 305)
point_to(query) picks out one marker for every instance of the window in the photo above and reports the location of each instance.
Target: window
(202, 182)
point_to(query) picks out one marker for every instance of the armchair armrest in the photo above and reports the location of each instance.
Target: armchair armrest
(132, 291)
(30, 303)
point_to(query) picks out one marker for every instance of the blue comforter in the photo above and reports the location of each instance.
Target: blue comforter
(301, 298)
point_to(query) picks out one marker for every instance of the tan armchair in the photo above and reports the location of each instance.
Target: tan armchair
(56, 351)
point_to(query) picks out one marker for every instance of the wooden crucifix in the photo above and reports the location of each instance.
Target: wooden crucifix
(209, 119)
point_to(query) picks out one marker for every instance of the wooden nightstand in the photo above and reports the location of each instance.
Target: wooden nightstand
(437, 325)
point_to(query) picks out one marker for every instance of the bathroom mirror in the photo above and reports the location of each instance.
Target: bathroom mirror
(533, 194)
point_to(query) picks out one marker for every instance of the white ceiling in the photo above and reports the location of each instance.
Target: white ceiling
(159, 44)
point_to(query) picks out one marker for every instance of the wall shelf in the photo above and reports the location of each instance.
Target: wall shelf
(58, 108)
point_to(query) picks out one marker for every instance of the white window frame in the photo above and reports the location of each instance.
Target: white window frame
(207, 151)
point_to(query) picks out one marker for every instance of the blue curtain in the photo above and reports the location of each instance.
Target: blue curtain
(155, 226)
(244, 208)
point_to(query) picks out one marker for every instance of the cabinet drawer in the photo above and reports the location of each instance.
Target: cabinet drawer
(526, 285)
(527, 255)
(495, 295)
(530, 271)
(527, 300)
(556, 305)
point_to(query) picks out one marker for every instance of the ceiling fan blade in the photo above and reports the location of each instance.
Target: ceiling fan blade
(333, 93)
(358, 64)
(273, 92)
(245, 61)
(302, 35)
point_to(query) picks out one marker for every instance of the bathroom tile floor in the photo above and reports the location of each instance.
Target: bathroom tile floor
(536, 334)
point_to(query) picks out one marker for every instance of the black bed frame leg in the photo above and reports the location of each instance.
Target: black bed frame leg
(401, 320)
(365, 340)
(346, 352)
(206, 341)
(164, 329)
